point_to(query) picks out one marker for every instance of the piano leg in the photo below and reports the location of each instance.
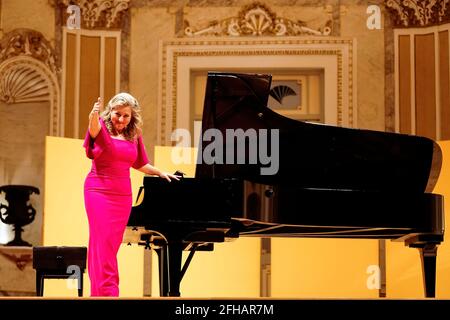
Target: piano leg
(427, 245)
(171, 273)
(163, 271)
(428, 254)
(169, 256)
(175, 255)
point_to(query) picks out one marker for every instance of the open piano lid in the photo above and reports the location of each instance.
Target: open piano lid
(305, 154)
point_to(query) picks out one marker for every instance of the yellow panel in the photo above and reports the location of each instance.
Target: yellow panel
(404, 273)
(231, 270)
(314, 95)
(199, 96)
(171, 159)
(66, 167)
(323, 268)
(65, 221)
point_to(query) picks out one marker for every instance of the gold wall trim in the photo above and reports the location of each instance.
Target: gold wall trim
(187, 52)
(177, 55)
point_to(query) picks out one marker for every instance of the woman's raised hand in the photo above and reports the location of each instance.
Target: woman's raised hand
(96, 109)
(94, 118)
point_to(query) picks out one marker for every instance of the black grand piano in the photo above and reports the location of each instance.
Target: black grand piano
(319, 181)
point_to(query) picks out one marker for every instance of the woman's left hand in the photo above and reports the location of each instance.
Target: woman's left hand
(168, 176)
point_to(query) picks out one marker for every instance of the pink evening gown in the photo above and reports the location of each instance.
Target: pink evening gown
(108, 201)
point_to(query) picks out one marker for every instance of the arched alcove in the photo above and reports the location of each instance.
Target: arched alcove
(30, 110)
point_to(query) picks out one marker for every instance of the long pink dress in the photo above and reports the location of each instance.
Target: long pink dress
(108, 201)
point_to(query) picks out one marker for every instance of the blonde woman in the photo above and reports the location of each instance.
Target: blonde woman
(114, 143)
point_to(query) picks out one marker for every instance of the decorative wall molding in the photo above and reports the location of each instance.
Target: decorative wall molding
(25, 79)
(18, 275)
(180, 57)
(20, 257)
(418, 13)
(29, 72)
(23, 84)
(96, 13)
(256, 19)
(27, 42)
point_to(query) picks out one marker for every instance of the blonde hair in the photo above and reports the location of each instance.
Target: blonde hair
(124, 99)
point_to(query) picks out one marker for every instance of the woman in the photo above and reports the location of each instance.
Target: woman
(114, 143)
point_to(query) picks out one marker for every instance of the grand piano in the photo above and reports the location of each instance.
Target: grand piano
(321, 181)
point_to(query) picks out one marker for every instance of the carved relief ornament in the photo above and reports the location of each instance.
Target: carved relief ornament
(19, 259)
(256, 20)
(96, 13)
(27, 42)
(418, 13)
(28, 72)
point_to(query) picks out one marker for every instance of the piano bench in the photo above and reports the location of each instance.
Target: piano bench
(57, 262)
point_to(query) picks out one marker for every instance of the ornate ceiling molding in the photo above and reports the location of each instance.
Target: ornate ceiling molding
(27, 42)
(418, 13)
(95, 13)
(256, 19)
